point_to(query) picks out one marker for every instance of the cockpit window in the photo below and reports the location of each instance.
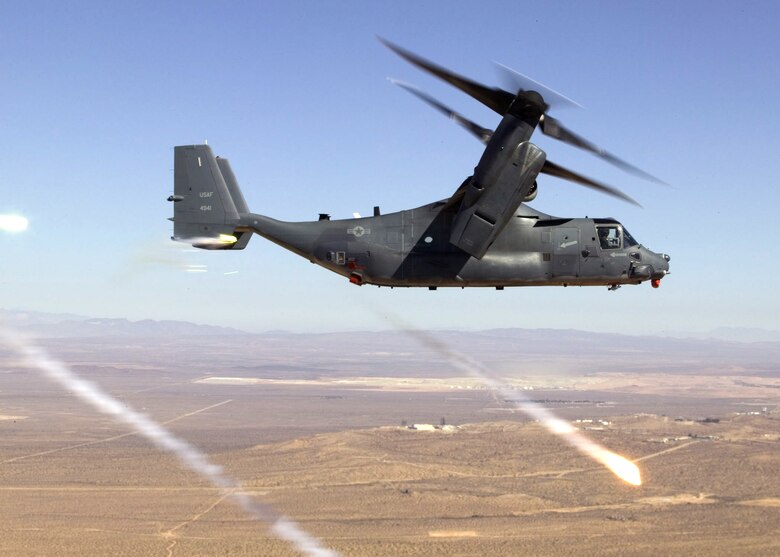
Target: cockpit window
(609, 237)
(628, 239)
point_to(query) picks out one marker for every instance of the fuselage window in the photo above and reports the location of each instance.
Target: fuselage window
(609, 237)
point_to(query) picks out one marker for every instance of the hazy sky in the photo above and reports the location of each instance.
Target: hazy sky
(94, 95)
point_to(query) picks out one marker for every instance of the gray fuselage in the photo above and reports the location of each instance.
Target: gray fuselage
(412, 248)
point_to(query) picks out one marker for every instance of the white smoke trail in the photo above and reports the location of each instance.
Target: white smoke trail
(618, 465)
(189, 456)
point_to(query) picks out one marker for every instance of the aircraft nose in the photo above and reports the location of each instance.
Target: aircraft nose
(662, 269)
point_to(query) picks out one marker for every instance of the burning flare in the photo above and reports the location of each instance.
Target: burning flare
(618, 465)
(13, 223)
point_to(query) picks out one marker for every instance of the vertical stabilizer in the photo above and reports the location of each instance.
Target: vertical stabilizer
(232, 185)
(204, 210)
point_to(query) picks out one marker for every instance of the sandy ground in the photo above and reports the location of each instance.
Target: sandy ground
(498, 488)
(328, 450)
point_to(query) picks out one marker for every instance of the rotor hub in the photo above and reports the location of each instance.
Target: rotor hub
(529, 106)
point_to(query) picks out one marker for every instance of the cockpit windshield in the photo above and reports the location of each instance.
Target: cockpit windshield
(628, 239)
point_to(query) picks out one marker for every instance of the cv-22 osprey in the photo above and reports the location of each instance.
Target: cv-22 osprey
(483, 235)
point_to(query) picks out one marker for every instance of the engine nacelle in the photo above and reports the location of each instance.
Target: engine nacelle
(488, 206)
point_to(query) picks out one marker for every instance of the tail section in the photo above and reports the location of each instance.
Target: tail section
(208, 203)
(232, 185)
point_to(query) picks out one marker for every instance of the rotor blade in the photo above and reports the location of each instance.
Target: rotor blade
(553, 128)
(494, 98)
(518, 81)
(483, 134)
(560, 172)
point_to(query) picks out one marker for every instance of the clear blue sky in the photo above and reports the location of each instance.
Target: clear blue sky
(94, 95)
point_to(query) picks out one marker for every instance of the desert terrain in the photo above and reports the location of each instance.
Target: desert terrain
(316, 425)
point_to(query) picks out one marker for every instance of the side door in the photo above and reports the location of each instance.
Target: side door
(591, 264)
(566, 252)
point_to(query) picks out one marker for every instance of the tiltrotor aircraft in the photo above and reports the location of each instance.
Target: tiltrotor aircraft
(483, 235)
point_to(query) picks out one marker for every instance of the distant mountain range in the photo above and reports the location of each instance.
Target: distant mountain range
(60, 325)
(395, 353)
(744, 334)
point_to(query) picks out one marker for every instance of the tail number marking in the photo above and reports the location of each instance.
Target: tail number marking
(205, 207)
